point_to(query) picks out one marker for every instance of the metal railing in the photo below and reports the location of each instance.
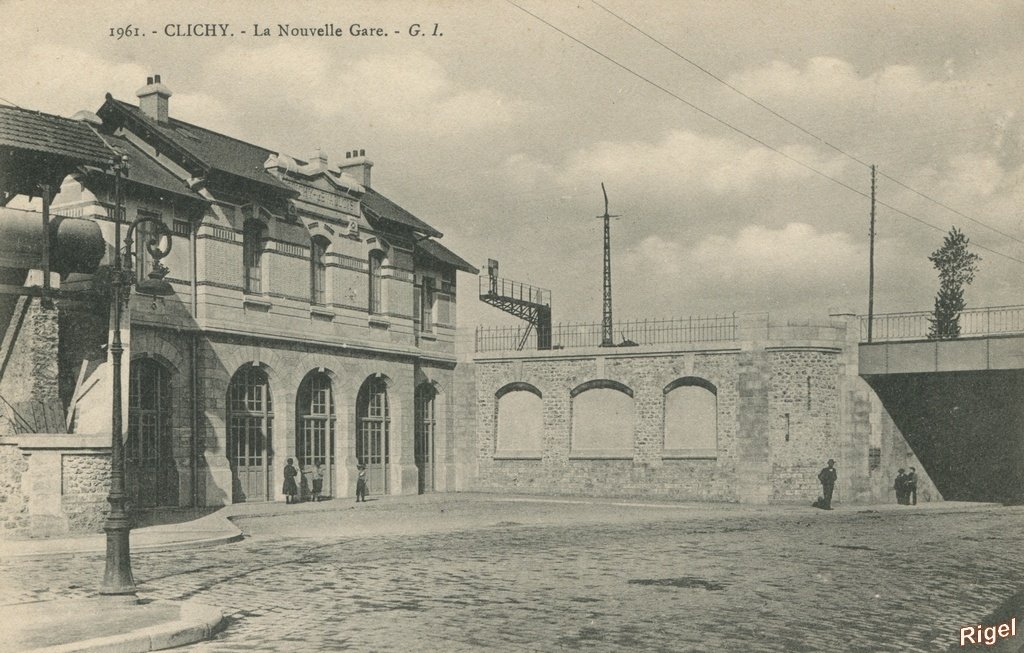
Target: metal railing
(498, 288)
(995, 320)
(630, 333)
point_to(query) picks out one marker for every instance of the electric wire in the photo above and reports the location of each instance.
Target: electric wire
(738, 130)
(801, 128)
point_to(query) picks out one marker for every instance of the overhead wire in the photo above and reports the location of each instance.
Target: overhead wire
(793, 124)
(739, 130)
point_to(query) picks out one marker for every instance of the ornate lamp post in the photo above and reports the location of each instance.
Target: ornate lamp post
(117, 577)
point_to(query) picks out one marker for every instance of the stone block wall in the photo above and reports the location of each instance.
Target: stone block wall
(85, 482)
(788, 399)
(14, 515)
(53, 484)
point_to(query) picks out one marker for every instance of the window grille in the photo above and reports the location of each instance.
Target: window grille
(376, 261)
(318, 271)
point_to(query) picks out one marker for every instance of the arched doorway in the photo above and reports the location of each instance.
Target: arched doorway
(372, 441)
(425, 427)
(152, 477)
(250, 428)
(314, 444)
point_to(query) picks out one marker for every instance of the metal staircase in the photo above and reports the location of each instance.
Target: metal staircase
(528, 303)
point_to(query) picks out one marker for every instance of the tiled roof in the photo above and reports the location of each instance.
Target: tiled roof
(213, 150)
(382, 208)
(147, 172)
(73, 140)
(219, 152)
(437, 251)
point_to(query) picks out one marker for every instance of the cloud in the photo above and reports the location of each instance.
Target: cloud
(689, 162)
(796, 269)
(407, 93)
(52, 76)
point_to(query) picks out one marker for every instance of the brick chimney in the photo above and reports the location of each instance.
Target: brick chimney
(153, 99)
(357, 165)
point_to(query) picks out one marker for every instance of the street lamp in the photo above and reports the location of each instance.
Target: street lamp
(117, 577)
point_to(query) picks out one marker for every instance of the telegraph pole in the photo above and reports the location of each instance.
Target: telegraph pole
(607, 337)
(871, 259)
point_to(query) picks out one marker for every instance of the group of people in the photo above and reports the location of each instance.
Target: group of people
(906, 487)
(291, 485)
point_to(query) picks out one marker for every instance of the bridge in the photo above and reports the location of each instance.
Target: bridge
(958, 402)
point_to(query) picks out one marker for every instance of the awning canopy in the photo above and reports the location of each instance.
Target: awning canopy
(40, 148)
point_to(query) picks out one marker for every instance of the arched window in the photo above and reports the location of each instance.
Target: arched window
(691, 418)
(315, 413)
(602, 419)
(149, 460)
(374, 423)
(250, 428)
(376, 305)
(425, 428)
(252, 255)
(520, 421)
(318, 270)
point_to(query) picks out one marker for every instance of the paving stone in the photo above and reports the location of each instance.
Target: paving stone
(714, 579)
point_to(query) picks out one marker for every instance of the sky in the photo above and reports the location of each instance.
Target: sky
(500, 130)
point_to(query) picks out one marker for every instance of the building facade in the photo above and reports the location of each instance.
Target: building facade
(311, 318)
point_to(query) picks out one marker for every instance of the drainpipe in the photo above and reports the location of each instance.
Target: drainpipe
(195, 419)
(194, 369)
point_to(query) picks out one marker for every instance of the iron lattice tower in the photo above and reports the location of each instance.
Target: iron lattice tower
(607, 336)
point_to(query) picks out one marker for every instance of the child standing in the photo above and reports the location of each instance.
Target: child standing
(361, 484)
(318, 480)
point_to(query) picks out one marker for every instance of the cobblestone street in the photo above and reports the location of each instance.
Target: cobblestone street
(473, 573)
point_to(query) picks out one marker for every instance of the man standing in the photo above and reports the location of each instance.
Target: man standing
(910, 488)
(828, 476)
(900, 485)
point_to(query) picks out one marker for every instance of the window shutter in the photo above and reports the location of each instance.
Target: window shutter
(444, 310)
(416, 307)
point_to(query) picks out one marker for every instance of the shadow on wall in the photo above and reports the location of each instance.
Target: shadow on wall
(966, 428)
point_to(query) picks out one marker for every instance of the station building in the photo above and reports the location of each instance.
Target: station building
(311, 318)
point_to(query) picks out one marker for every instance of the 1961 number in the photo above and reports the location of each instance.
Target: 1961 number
(124, 32)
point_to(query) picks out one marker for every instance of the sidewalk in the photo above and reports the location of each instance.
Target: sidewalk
(214, 528)
(86, 625)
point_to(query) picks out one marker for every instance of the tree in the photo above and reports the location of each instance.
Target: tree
(956, 266)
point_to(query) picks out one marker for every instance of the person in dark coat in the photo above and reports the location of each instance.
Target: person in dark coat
(361, 484)
(900, 485)
(290, 489)
(910, 494)
(828, 476)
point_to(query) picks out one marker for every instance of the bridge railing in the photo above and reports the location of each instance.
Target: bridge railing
(991, 321)
(498, 288)
(629, 333)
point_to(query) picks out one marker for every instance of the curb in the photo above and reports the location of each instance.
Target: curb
(226, 534)
(197, 622)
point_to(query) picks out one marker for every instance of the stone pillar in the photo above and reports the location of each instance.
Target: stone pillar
(753, 465)
(462, 415)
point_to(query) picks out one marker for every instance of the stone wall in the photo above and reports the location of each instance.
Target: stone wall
(14, 515)
(85, 482)
(53, 484)
(788, 399)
